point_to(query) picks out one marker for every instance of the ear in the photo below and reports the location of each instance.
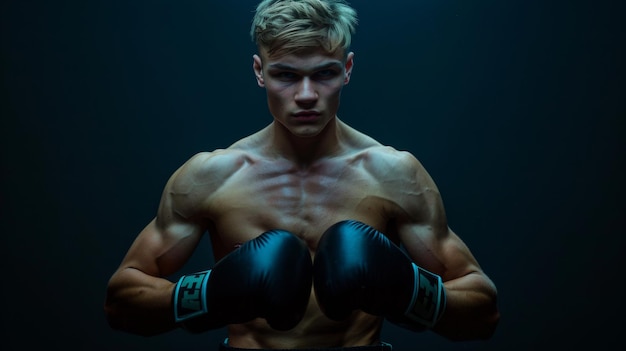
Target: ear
(257, 66)
(348, 67)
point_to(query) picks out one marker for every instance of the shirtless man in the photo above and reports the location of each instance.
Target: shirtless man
(319, 231)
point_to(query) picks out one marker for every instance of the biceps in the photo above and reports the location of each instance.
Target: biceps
(161, 250)
(442, 253)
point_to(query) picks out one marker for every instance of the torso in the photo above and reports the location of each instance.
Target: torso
(261, 193)
(268, 194)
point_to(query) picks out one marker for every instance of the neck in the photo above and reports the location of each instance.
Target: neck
(304, 151)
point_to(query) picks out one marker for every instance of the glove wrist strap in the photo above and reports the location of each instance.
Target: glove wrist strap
(429, 298)
(189, 298)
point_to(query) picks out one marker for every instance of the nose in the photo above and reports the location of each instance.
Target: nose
(306, 93)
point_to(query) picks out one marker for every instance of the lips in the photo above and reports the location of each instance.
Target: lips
(306, 114)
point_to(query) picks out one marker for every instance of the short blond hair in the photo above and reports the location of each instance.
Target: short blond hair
(283, 27)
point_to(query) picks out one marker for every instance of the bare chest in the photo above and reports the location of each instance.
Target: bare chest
(255, 200)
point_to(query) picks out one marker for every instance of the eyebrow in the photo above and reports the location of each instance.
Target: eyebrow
(282, 66)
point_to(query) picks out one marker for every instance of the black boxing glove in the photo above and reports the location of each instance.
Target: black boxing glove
(268, 277)
(357, 267)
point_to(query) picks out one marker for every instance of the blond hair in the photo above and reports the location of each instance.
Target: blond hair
(283, 27)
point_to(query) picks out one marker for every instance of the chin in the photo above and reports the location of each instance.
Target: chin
(308, 130)
(305, 132)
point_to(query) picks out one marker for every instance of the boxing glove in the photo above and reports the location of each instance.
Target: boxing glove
(357, 267)
(268, 277)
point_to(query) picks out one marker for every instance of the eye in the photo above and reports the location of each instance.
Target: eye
(326, 74)
(284, 75)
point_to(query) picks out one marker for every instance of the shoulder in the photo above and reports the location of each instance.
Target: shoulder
(192, 184)
(386, 161)
(404, 181)
(207, 170)
(379, 158)
(221, 161)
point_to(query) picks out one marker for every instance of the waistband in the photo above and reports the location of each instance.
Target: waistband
(382, 347)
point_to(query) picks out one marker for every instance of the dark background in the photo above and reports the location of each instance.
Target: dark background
(516, 108)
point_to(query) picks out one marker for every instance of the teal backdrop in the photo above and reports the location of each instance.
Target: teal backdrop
(516, 108)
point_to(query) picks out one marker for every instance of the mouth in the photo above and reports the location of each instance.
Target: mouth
(306, 116)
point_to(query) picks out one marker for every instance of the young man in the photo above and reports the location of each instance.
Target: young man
(319, 231)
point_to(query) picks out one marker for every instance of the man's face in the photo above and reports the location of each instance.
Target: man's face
(303, 90)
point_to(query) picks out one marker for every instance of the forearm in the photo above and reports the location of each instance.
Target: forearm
(139, 303)
(471, 308)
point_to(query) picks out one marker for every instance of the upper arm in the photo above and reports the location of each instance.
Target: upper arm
(168, 241)
(471, 310)
(422, 226)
